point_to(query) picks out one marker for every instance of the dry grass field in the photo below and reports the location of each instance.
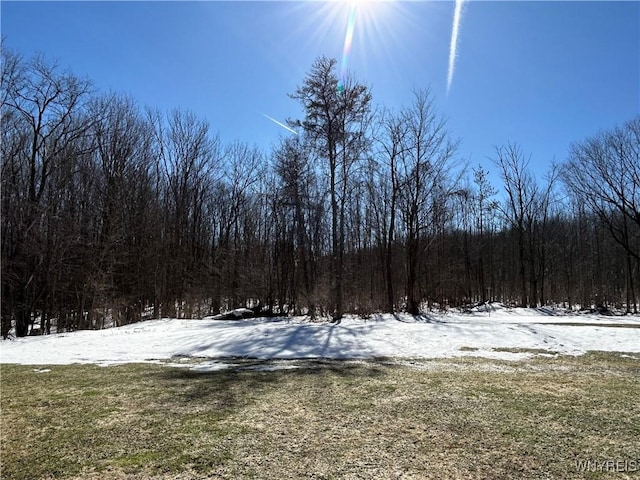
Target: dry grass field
(563, 417)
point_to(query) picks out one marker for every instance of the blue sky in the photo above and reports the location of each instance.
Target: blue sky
(542, 74)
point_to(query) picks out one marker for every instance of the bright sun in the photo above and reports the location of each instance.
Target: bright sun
(359, 32)
(366, 16)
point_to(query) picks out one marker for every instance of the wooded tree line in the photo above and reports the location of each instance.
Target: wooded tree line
(114, 213)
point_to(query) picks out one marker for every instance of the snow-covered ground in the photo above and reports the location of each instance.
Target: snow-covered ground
(481, 333)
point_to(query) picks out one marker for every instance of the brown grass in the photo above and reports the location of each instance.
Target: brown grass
(325, 419)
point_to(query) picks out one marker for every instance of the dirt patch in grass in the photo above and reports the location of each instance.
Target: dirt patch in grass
(469, 349)
(465, 418)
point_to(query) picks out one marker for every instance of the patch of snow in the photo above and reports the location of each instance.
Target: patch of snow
(635, 357)
(500, 333)
(209, 366)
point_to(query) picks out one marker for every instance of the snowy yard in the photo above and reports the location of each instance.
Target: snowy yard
(509, 334)
(387, 397)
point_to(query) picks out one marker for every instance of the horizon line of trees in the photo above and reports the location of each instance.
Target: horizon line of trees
(113, 211)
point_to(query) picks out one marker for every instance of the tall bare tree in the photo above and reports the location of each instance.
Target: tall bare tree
(485, 208)
(603, 172)
(299, 203)
(42, 107)
(426, 160)
(526, 211)
(385, 189)
(336, 117)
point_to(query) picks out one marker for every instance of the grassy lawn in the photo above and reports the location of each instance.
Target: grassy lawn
(465, 418)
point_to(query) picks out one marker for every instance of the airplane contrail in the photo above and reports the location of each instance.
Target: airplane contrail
(280, 123)
(457, 14)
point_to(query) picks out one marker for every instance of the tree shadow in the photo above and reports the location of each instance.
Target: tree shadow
(419, 318)
(269, 340)
(245, 382)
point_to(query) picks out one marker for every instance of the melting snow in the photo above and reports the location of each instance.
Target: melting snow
(498, 333)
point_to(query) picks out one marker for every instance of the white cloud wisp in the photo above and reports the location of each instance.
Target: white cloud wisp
(457, 15)
(280, 123)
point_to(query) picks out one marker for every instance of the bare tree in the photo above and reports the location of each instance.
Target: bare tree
(425, 162)
(336, 119)
(519, 208)
(48, 103)
(484, 211)
(526, 211)
(298, 201)
(243, 168)
(122, 149)
(603, 172)
(385, 189)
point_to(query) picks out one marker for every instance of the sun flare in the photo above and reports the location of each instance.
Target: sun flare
(360, 34)
(361, 12)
